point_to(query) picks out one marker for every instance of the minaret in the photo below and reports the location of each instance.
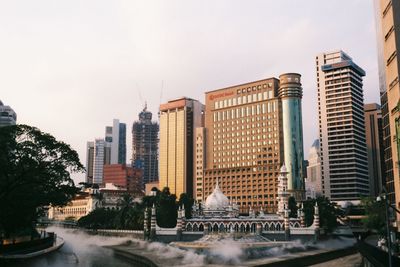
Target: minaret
(153, 223)
(290, 92)
(283, 195)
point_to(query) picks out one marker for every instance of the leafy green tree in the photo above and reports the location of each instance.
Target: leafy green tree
(34, 173)
(98, 219)
(375, 215)
(292, 205)
(328, 213)
(166, 209)
(125, 205)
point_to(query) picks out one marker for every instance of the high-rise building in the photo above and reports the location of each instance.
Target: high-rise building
(388, 33)
(246, 133)
(7, 115)
(178, 120)
(314, 178)
(200, 161)
(374, 138)
(145, 146)
(98, 153)
(116, 136)
(341, 127)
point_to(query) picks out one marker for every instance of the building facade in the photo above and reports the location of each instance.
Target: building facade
(341, 127)
(7, 115)
(116, 136)
(374, 138)
(200, 160)
(125, 176)
(178, 120)
(245, 141)
(98, 153)
(145, 146)
(388, 36)
(314, 176)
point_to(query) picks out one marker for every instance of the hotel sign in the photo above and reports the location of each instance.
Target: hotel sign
(219, 95)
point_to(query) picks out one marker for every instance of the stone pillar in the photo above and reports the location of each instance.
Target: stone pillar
(206, 225)
(145, 225)
(153, 223)
(259, 229)
(302, 216)
(316, 221)
(179, 225)
(286, 224)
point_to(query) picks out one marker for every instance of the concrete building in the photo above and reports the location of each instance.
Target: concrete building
(125, 176)
(374, 138)
(314, 176)
(246, 133)
(145, 146)
(388, 36)
(341, 127)
(178, 120)
(7, 115)
(150, 186)
(88, 200)
(200, 160)
(116, 136)
(96, 152)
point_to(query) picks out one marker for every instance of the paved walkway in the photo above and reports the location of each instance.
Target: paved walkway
(348, 261)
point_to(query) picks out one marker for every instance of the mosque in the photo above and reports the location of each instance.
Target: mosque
(218, 215)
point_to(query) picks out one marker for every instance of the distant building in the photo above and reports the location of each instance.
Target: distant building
(125, 176)
(178, 120)
(7, 115)
(116, 136)
(150, 186)
(314, 176)
(374, 137)
(145, 146)
(341, 127)
(98, 153)
(88, 200)
(200, 163)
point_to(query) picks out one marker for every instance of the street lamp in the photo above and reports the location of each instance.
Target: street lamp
(379, 198)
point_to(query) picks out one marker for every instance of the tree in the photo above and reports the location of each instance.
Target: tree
(34, 173)
(328, 213)
(166, 209)
(292, 207)
(125, 205)
(99, 219)
(375, 215)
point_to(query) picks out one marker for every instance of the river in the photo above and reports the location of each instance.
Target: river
(79, 250)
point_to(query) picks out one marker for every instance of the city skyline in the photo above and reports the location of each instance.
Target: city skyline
(52, 70)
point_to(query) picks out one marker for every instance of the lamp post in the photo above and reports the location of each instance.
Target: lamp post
(379, 198)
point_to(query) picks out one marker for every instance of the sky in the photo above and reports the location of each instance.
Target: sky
(70, 67)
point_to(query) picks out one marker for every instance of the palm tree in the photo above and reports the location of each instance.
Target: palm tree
(125, 205)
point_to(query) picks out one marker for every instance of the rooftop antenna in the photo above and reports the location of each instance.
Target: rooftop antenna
(140, 94)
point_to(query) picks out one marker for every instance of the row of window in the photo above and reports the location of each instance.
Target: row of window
(245, 111)
(239, 100)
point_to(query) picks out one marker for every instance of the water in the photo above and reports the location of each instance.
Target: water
(79, 250)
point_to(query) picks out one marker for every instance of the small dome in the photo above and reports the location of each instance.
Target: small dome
(217, 200)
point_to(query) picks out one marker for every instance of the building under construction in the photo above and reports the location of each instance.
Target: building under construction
(145, 146)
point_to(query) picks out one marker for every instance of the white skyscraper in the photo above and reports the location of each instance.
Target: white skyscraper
(341, 127)
(116, 136)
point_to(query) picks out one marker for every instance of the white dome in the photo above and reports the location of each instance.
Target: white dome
(217, 200)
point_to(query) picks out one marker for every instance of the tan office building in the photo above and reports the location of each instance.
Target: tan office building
(388, 29)
(178, 120)
(245, 141)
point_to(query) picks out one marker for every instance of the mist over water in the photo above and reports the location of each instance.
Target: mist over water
(79, 250)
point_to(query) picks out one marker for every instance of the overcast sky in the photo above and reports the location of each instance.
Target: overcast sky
(70, 67)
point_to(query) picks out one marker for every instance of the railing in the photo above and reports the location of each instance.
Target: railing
(376, 256)
(28, 246)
